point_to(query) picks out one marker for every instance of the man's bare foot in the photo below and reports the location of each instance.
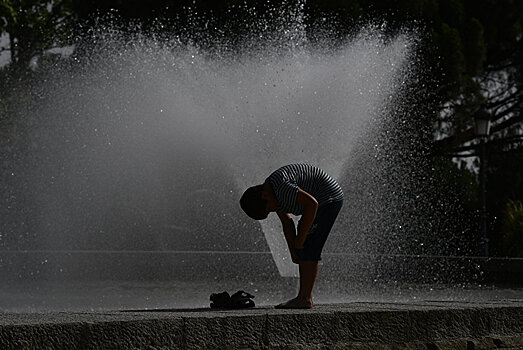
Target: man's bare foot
(296, 304)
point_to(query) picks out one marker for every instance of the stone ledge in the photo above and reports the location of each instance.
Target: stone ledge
(427, 325)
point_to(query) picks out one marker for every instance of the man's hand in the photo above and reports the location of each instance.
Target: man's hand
(299, 241)
(294, 256)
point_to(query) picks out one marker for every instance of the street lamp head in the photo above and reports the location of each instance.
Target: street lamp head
(482, 119)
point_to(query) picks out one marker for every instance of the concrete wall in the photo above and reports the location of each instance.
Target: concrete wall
(424, 325)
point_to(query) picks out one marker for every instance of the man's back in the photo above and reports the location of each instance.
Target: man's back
(286, 180)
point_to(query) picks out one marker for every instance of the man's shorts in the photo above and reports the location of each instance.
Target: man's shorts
(317, 235)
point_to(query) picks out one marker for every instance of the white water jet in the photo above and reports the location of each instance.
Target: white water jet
(149, 138)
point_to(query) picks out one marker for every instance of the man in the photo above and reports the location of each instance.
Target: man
(298, 189)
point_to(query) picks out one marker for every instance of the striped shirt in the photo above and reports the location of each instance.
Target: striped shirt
(288, 179)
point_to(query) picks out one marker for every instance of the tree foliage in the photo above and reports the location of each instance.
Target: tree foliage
(512, 229)
(34, 26)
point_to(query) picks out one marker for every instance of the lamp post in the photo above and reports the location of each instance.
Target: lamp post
(482, 129)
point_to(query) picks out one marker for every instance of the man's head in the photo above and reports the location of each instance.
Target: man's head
(253, 204)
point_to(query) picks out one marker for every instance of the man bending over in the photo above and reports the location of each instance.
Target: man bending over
(298, 189)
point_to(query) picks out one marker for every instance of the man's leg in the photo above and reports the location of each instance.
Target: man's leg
(308, 273)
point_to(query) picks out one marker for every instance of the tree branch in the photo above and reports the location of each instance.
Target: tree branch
(507, 123)
(457, 139)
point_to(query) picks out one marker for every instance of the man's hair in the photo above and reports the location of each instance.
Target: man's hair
(253, 204)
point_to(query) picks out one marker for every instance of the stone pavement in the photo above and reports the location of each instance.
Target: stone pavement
(496, 324)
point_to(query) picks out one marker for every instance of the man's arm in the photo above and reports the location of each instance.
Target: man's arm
(310, 206)
(289, 230)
